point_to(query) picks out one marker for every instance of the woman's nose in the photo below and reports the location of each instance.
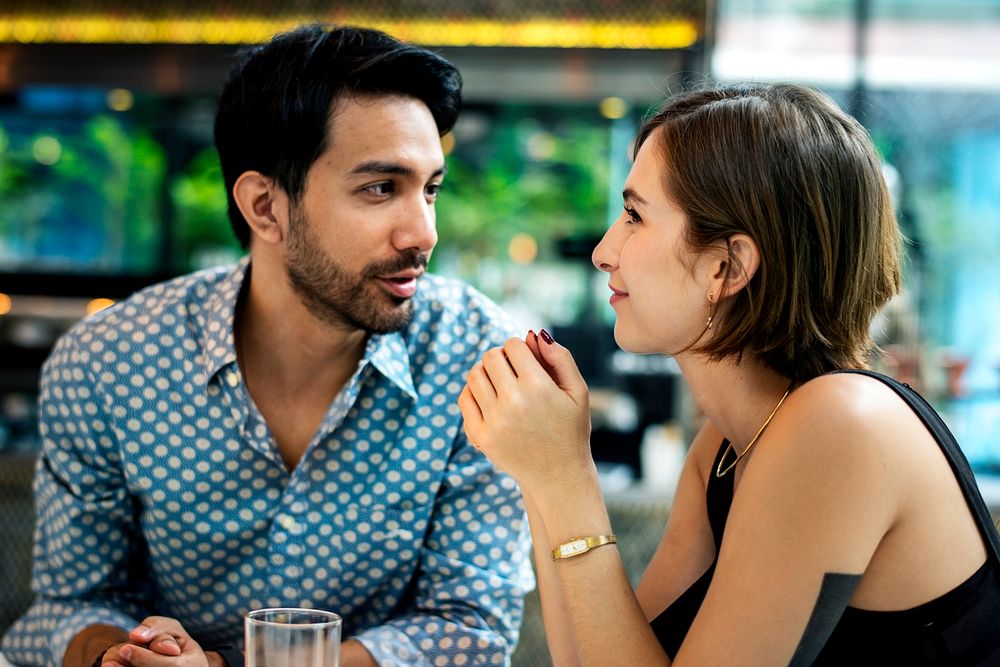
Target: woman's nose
(605, 255)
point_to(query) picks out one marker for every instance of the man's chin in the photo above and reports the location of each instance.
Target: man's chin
(393, 319)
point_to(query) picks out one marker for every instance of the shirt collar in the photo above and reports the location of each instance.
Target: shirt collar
(387, 353)
(217, 319)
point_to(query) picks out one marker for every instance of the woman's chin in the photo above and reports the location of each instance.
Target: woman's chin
(629, 343)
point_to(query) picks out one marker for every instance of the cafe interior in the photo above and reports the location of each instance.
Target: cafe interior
(109, 182)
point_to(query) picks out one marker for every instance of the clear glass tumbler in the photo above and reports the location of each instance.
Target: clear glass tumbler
(290, 637)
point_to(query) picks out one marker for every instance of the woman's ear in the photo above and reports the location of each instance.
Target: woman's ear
(738, 267)
(263, 204)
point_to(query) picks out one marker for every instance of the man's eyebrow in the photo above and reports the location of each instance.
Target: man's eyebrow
(392, 168)
(630, 194)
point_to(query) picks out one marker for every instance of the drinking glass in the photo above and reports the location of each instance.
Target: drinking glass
(290, 637)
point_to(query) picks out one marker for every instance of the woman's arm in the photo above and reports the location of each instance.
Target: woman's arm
(558, 631)
(812, 506)
(534, 423)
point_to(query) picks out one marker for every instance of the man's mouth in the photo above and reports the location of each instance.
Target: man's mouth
(402, 285)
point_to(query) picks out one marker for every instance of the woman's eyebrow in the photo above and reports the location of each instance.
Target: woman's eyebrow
(630, 194)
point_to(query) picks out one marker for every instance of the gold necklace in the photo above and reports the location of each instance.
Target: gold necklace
(719, 472)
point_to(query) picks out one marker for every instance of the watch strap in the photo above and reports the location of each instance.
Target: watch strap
(581, 545)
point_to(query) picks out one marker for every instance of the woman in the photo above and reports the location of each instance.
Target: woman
(817, 519)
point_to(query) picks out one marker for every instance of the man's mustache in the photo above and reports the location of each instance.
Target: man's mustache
(413, 259)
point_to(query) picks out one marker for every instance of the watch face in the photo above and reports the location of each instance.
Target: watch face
(572, 548)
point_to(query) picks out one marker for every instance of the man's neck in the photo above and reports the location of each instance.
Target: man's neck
(281, 345)
(293, 364)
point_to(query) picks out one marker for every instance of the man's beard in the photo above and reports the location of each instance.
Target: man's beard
(338, 297)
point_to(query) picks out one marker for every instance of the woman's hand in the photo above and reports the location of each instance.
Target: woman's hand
(526, 406)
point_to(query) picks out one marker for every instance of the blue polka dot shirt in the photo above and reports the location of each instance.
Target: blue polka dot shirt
(160, 490)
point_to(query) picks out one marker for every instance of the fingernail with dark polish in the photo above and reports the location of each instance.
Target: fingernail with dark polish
(546, 336)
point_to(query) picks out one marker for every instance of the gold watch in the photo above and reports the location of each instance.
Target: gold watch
(581, 545)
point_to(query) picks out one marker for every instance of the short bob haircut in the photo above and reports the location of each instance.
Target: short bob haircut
(276, 104)
(784, 165)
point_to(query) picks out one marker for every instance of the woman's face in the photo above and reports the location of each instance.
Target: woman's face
(659, 285)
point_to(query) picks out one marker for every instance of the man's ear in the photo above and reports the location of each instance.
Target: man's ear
(263, 204)
(737, 267)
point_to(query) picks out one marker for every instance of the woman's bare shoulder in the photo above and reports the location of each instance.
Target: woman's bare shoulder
(833, 406)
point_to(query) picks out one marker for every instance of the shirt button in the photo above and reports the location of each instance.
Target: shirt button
(233, 378)
(288, 523)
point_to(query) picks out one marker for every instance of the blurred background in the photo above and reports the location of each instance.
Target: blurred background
(109, 182)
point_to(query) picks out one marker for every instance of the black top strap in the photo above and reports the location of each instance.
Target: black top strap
(719, 497)
(956, 459)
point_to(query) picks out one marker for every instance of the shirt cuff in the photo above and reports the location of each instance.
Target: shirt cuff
(391, 647)
(85, 617)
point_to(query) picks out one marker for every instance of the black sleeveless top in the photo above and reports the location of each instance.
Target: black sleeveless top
(960, 628)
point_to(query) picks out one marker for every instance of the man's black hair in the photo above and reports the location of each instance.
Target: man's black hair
(275, 105)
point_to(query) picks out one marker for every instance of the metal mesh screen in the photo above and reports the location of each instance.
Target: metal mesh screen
(610, 10)
(17, 521)
(620, 24)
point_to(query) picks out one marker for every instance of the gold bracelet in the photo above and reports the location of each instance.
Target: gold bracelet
(581, 545)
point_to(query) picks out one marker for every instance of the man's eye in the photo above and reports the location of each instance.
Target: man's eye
(381, 189)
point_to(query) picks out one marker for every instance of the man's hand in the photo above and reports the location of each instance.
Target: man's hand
(92, 642)
(354, 654)
(160, 642)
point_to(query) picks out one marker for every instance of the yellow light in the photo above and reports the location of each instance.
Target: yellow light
(448, 143)
(613, 107)
(120, 99)
(47, 150)
(214, 29)
(97, 305)
(5, 304)
(541, 146)
(522, 249)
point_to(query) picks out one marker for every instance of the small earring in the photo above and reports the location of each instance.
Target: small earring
(708, 323)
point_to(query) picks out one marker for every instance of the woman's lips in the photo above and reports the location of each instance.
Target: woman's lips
(616, 295)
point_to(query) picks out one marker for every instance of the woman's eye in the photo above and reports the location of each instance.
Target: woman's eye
(433, 190)
(633, 216)
(381, 189)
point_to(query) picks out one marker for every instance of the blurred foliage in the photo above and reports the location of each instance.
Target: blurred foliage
(80, 195)
(203, 234)
(526, 173)
(96, 200)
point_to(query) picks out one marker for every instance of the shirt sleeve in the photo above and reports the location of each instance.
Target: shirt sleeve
(474, 573)
(86, 555)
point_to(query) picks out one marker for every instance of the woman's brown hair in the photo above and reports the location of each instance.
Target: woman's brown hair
(784, 165)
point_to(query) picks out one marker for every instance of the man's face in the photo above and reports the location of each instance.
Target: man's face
(361, 233)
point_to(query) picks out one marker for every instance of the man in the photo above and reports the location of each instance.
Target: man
(285, 432)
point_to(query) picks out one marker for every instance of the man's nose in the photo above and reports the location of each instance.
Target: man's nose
(418, 228)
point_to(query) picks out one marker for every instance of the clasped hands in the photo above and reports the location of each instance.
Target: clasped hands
(160, 642)
(526, 407)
